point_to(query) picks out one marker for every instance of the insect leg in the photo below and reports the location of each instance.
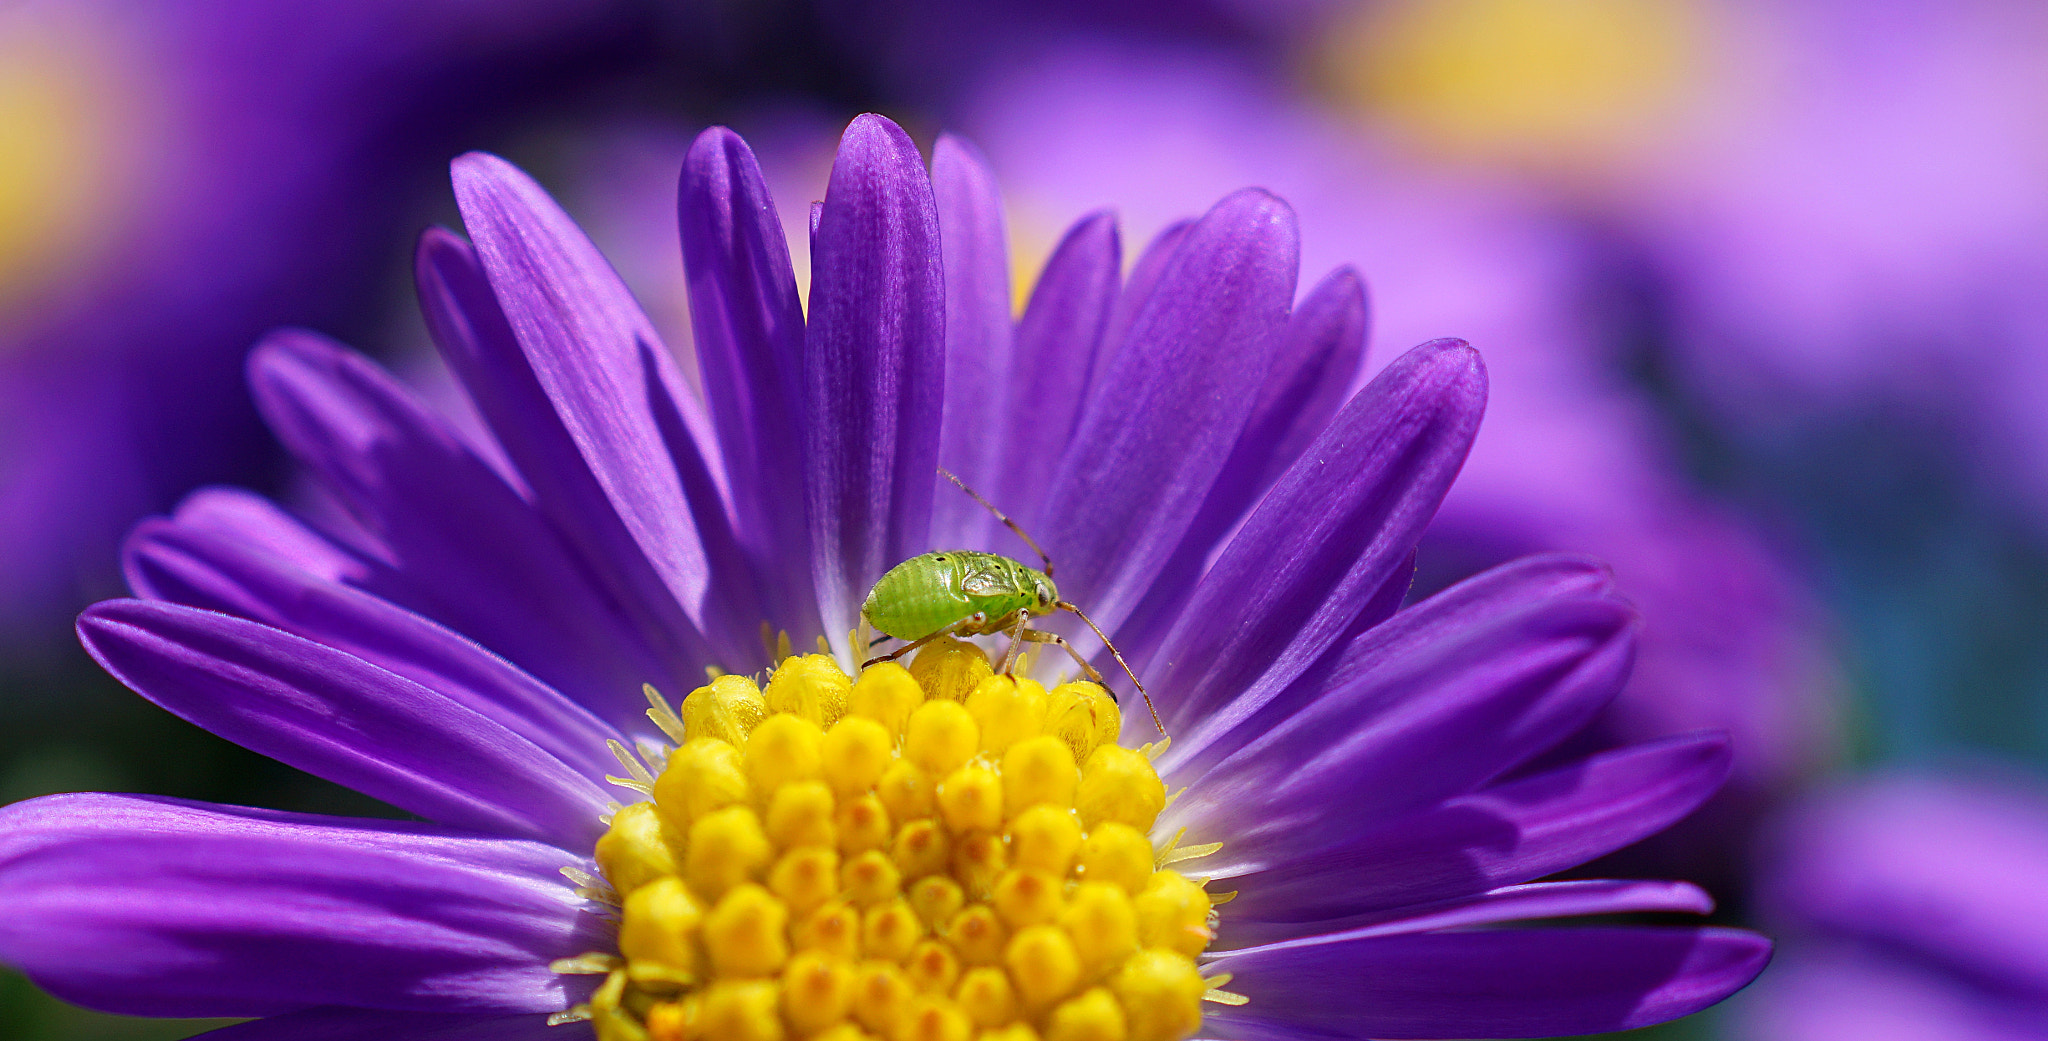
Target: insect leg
(1041, 636)
(1001, 516)
(1017, 632)
(920, 641)
(1118, 655)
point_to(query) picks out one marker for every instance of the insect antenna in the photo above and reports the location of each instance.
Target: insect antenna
(1001, 516)
(1118, 655)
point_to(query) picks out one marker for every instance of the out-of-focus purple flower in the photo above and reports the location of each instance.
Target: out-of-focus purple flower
(1921, 906)
(1355, 773)
(1571, 458)
(178, 178)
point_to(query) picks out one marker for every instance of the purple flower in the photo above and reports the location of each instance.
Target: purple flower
(1921, 906)
(914, 853)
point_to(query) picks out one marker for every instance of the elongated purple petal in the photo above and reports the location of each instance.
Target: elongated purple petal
(339, 717)
(1058, 340)
(874, 364)
(255, 521)
(1159, 424)
(1338, 526)
(464, 547)
(355, 1024)
(1422, 722)
(638, 428)
(1501, 835)
(748, 324)
(162, 907)
(1502, 983)
(979, 337)
(1137, 292)
(1511, 904)
(166, 560)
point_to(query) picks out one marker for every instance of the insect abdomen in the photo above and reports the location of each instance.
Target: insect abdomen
(919, 596)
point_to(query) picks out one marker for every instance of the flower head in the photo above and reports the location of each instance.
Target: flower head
(1347, 792)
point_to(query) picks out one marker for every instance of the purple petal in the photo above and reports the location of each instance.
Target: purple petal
(749, 328)
(874, 362)
(251, 519)
(635, 425)
(1504, 834)
(1339, 525)
(1058, 340)
(1511, 904)
(463, 547)
(1159, 424)
(1137, 292)
(168, 561)
(979, 335)
(339, 717)
(153, 906)
(1412, 723)
(1497, 983)
(355, 1024)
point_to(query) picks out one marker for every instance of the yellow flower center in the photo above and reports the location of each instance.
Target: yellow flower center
(926, 854)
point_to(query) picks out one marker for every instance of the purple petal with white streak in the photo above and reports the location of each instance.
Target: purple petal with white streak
(1058, 340)
(1337, 527)
(154, 906)
(979, 337)
(1160, 422)
(748, 324)
(636, 425)
(165, 560)
(1415, 723)
(463, 547)
(1499, 835)
(874, 367)
(1510, 904)
(1500, 983)
(339, 717)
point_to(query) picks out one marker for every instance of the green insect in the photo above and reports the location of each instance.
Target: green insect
(960, 592)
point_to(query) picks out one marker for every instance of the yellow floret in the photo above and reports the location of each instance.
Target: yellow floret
(1094, 1016)
(1173, 913)
(810, 686)
(1039, 770)
(703, 775)
(659, 928)
(636, 849)
(726, 848)
(784, 749)
(948, 669)
(1119, 785)
(1007, 711)
(940, 737)
(727, 709)
(1161, 993)
(1045, 837)
(885, 693)
(1117, 853)
(856, 751)
(744, 934)
(971, 799)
